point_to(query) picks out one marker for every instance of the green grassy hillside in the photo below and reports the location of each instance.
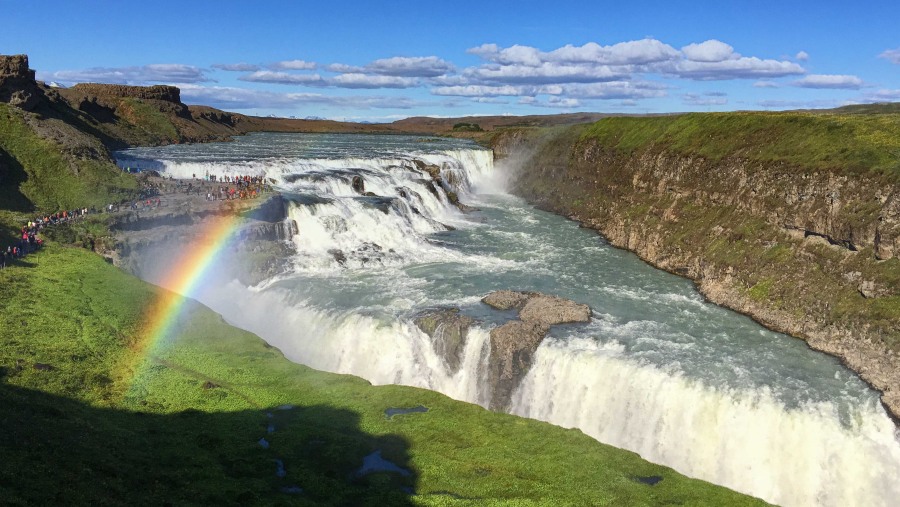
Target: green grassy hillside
(42, 176)
(854, 142)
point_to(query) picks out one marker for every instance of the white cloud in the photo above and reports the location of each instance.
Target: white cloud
(419, 66)
(802, 56)
(268, 76)
(562, 102)
(591, 63)
(624, 53)
(342, 68)
(709, 51)
(489, 100)
(884, 95)
(481, 91)
(703, 100)
(891, 55)
(241, 98)
(766, 84)
(836, 81)
(799, 104)
(615, 90)
(236, 67)
(735, 68)
(146, 74)
(293, 65)
(545, 73)
(357, 80)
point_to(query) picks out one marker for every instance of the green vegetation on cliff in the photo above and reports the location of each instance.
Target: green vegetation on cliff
(856, 142)
(82, 421)
(40, 174)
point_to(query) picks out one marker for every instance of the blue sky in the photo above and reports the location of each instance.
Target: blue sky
(380, 61)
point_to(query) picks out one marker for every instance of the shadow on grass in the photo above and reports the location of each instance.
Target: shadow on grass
(12, 176)
(59, 451)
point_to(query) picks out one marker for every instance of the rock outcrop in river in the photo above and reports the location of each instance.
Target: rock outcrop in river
(513, 344)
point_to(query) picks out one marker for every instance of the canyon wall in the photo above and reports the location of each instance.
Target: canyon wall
(812, 253)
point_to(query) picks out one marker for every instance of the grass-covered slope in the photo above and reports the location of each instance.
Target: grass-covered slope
(84, 421)
(41, 174)
(853, 142)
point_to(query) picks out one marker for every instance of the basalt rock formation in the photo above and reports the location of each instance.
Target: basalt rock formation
(448, 330)
(513, 344)
(17, 84)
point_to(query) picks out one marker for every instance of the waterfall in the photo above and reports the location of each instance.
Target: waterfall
(660, 372)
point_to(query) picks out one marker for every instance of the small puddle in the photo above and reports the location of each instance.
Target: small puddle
(375, 463)
(392, 411)
(270, 429)
(651, 480)
(292, 490)
(263, 443)
(287, 406)
(279, 468)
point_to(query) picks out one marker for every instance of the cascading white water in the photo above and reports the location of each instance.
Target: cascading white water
(659, 372)
(746, 440)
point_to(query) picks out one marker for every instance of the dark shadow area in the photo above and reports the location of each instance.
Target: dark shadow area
(12, 176)
(57, 451)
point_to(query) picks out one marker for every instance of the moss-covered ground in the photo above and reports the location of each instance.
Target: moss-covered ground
(41, 177)
(810, 140)
(87, 418)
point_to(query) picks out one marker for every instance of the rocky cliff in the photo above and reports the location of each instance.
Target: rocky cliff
(807, 250)
(17, 84)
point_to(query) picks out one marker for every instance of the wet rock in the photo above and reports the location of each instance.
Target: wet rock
(513, 344)
(447, 329)
(358, 185)
(550, 310)
(375, 463)
(432, 170)
(512, 350)
(506, 299)
(338, 256)
(392, 411)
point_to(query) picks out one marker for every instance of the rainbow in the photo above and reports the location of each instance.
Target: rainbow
(188, 271)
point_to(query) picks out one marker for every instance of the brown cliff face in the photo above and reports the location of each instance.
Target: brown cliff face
(17, 84)
(809, 253)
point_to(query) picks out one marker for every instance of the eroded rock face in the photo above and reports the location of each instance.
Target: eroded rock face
(448, 330)
(513, 344)
(512, 351)
(17, 84)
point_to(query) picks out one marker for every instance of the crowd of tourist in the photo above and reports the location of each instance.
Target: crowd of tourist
(215, 188)
(28, 241)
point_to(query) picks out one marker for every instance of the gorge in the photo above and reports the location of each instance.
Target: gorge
(658, 369)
